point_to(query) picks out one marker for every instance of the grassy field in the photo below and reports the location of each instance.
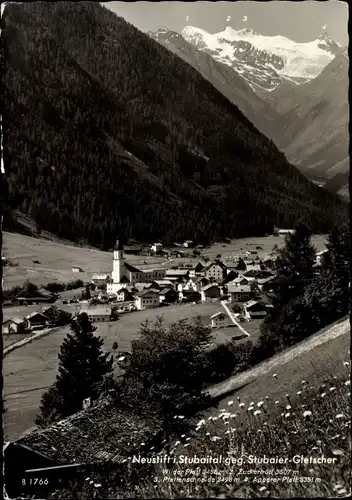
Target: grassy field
(57, 259)
(29, 370)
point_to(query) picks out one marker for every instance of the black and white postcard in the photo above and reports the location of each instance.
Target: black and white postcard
(175, 250)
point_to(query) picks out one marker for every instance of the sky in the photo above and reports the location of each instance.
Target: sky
(300, 21)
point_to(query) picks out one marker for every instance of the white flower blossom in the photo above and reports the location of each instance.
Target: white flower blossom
(307, 413)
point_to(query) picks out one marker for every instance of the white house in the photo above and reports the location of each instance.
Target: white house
(98, 314)
(76, 269)
(216, 271)
(219, 320)
(122, 295)
(147, 299)
(188, 244)
(156, 247)
(13, 325)
(239, 293)
(189, 285)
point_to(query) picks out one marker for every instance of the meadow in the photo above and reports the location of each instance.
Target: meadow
(57, 259)
(29, 370)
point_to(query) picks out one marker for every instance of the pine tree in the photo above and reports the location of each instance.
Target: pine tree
(294, 266)
(337, 257)
(84, 372)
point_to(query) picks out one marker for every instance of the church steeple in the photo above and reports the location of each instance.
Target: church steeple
(118, 264)
(118, 245)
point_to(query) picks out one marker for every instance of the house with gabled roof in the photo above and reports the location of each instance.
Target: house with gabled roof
(13, 325)
(210, 292)
(147, 299)
(105, 432)
(220, 320)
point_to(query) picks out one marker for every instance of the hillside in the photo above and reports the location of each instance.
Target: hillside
(313, 131)
(106, 132)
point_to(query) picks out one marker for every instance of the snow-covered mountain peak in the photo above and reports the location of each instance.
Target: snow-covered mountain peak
(266, 60)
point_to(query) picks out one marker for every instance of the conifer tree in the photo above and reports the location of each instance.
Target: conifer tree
(294, 265)
(84, 372)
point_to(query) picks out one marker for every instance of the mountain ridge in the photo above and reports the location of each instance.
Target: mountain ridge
(108, 132)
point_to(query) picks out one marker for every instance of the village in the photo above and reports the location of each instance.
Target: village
(241, 284)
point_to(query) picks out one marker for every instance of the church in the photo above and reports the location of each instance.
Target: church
(124, 274)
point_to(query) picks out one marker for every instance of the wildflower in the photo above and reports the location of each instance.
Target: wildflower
(230, 403)
(181, 417)
(257, 412)
(215, 438)
(97, 485)
(215, 418)
(340, 415)
(210, 418)
(241, 405)
(304, 382)
(91, 482)
(337, 452)
(341, 491)
(208, 434)
(347, 383)
(183, 436)
(188, 439)
(142, 444)
(287, 414)
(251, 404)
(187, 444)
(275, 375)
(266, 397)
(87, 478)
(260, 403)
(346, 363)
(323, 394)
(332, 389)
(307, 413)
(288, 407)
(299, 393)
(177, 443)
(323, 386)
(287, 396)
(262, 488)
(201, 422)
(250, 408)
(277, 402)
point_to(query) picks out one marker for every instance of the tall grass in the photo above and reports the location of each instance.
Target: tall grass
(313, 422)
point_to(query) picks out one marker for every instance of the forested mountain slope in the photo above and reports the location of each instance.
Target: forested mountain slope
(106, 132)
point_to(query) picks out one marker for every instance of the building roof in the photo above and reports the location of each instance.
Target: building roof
(131, 269)
(142, 286)
(143, 293)
(100, 276)
(163, 282)
(166, 290)
(97, 311)
(176, 272)
(210, 285)
(262, 281)
(16, 320)
(35, 313)
(218, 314)
(102, 432)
